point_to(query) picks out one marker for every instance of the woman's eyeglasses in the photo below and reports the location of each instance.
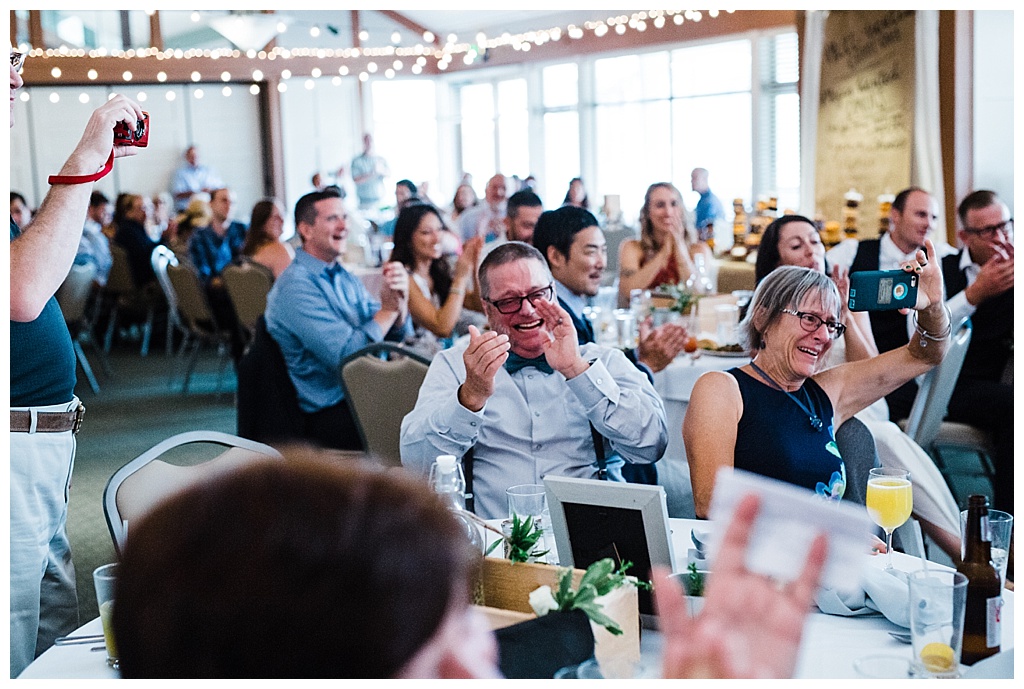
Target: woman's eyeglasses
(811, 323)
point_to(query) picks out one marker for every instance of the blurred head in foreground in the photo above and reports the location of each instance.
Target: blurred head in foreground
(300, 568)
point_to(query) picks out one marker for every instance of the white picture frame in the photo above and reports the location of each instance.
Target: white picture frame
(593, 519)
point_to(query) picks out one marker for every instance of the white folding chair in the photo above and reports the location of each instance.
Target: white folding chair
(142, 483)
(926, 424)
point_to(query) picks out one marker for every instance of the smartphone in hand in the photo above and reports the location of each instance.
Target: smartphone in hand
(882, 290)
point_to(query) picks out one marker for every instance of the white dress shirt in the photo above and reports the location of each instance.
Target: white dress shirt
(535, 423)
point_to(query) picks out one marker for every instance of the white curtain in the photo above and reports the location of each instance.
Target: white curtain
(926, 162)
(810, 87)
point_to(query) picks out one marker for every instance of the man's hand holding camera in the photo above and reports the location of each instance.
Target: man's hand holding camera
(97, 140)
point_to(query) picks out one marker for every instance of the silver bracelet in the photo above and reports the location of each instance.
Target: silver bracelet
(925, 335)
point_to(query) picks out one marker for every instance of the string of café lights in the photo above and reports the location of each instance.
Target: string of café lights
(452, 48)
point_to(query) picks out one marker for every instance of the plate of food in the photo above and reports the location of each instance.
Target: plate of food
(712, 348)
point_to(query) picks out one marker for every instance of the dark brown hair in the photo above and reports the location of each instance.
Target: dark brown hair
(297, 568)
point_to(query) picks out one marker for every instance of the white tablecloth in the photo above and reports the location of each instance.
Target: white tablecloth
(674, 384)
(831, 643)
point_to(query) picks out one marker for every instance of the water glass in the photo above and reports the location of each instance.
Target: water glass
(938, 600)
(104, 578)
(727, 318)
(1001, 525)
(625, 329)
(527, 500)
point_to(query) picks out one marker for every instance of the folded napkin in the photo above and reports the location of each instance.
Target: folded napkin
(884, 591)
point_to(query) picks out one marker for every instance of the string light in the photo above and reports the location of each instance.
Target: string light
(444, 54)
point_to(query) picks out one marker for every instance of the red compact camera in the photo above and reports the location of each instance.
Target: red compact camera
(126, 136)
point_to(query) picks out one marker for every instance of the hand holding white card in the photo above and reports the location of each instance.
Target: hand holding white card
(787, 522)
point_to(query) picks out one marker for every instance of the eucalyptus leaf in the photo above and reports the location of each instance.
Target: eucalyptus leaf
(597, 616)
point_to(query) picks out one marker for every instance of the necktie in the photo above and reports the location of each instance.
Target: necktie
(515, 363)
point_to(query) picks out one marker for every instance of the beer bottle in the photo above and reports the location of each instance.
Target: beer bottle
(982, 631)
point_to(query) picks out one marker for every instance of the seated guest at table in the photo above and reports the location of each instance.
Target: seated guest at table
(662, 255)
(793, 240)
(437, 291)
(319, 313)
(197, 214)
(20, 211)
(324, 569)
(486, 219)
(210, 249)
(464, 199)
(776, 416)
(130, 234)
(979, 284)
(263, 243)
(338, 571)
(576, 195)
(521, 213)
(94, 246)
(406, 194)
(537, 409)
(219, 243)
(573, 244)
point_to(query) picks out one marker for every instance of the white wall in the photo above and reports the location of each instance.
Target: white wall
(321, 133)
(224, 128)
(993, 103)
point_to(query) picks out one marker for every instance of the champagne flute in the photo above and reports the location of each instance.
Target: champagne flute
(890, 499)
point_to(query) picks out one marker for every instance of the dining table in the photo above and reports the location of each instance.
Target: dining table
(831, 644)
(674, 384)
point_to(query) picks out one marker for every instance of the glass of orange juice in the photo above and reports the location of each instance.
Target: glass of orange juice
(890, 499)
(104, 578)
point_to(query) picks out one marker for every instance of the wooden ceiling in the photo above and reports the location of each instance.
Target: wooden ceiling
(351, 56)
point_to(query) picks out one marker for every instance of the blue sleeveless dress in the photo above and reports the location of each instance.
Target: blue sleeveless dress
(774, 437)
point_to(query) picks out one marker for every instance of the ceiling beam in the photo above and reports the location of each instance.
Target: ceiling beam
(403, 20)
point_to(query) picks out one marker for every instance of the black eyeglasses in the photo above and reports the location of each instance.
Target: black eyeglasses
(811, 323)
(17, 60)
(513, 304)
(1006, 227)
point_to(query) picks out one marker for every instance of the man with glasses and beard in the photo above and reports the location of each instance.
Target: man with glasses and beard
(527, 397)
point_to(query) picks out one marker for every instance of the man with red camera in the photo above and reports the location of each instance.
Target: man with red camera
(45, 414)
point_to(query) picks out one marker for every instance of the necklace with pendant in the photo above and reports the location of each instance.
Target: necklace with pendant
(808, 408)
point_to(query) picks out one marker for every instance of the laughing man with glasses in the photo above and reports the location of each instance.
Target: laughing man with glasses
(979, 285)
(527, 397)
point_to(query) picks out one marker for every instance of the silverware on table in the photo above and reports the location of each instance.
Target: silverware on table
(902, 637)
(85, 639)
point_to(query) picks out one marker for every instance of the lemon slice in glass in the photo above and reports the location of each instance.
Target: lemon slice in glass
(937, 657)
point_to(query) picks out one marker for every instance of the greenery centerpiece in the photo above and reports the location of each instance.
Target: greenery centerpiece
(684, 300)
(600, 579)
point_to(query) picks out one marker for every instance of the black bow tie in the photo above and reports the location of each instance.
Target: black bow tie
(515, 363)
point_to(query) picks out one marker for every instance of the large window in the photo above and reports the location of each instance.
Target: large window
(405, 133)
(624, 122)
(494, 129)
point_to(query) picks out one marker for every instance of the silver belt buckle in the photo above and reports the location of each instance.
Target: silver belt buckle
(79, 415)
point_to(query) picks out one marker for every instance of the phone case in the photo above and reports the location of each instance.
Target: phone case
(882, 290)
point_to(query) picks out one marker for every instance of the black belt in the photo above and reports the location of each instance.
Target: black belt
(48, 421)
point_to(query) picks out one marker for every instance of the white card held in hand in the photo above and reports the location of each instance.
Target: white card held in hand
(787, 522)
